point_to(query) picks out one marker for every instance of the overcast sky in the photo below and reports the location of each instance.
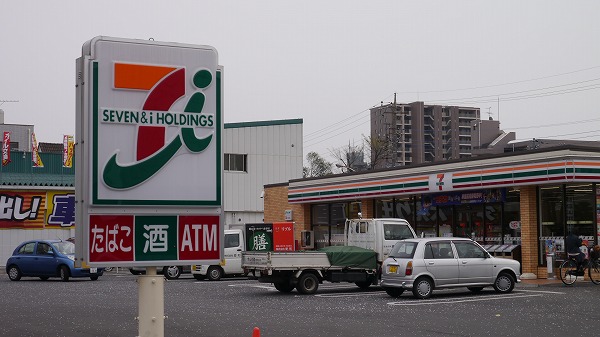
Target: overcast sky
(328, 62)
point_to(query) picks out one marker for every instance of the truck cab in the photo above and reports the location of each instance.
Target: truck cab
(233, 245)
(379, 235)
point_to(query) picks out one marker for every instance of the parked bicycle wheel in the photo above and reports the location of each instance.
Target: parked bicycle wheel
(594, 271)
(568, 272)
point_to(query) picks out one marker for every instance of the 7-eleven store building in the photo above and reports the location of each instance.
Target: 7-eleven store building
(518, 205)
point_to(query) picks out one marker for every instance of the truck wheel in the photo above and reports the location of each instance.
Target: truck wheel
(284, 286)
(394, 292)
(214, 273)
(363, 284)
(308, 284)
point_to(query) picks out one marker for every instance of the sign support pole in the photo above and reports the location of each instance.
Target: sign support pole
(151, 304)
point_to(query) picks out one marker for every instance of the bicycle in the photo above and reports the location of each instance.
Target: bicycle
(569, 271)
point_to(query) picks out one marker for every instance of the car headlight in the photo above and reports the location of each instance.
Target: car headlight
(72, 258)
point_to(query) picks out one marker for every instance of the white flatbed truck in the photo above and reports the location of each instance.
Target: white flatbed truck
(367, 244)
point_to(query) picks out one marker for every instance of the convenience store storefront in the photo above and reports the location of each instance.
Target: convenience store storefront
(530, 200)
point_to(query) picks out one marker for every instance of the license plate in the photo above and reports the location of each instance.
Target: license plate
(93, 270)
(393, 269)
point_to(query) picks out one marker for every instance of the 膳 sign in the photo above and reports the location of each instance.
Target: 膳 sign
(278, 237)
(127, 238)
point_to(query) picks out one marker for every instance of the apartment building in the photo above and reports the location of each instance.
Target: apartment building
(420, 133)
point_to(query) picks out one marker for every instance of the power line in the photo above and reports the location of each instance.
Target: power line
(501, 84)
(534, 93)
(557, 124)
(493, 97)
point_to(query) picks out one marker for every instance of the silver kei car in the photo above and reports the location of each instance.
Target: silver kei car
(425, 264)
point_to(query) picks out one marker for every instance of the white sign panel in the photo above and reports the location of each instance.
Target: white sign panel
(148, 154)
(155, 123)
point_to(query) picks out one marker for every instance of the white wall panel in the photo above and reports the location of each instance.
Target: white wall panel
(271, 159)
(11, 238)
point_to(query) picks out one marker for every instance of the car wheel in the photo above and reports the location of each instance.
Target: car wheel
(94, 278)
(44, 278)
(64, 273)
(308, 284)
(394, 292)
(199, 277)
(215, 273)
(172, 272)
(422, 288)
(363, 284)
(475, 289)
(284, 286)
(14, 273)
(504, 283)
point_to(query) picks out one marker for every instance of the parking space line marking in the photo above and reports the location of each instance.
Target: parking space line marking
(247, 285)
(542, 291)
(453, 301)
(370, 293)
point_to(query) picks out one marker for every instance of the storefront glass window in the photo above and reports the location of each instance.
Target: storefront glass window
(493, 225)
(580, 202)
(337, 235)
(426, 217)
(445, 220)
(320, 214)
(551, 220)
(384, 208)
(337, 214)
(405, 209)
(354, 209)
(328, 221)
(511, 218)
(321, 236)
(469, 221)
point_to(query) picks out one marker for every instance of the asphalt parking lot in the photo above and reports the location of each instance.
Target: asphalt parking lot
(233, 307)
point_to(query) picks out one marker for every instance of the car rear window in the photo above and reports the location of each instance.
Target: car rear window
(403, 250)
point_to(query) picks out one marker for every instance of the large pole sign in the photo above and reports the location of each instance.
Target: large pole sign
(148, 153)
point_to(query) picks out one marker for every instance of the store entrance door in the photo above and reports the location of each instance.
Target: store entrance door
(469, 221)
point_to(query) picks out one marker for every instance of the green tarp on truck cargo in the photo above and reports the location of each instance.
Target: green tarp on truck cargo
(351, 256)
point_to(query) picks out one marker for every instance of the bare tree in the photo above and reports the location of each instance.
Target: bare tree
(377, 149)
(317, 166)
(350, 158)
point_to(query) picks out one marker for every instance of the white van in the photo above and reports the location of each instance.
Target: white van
(231, 264)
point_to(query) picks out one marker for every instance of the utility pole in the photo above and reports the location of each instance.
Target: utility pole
(395, 153)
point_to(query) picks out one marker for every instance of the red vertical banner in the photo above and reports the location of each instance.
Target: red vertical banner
(68, 145)
(35, 154)
(283, 236)
(6, 148)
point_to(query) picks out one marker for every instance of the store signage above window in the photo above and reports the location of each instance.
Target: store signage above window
(409, 181)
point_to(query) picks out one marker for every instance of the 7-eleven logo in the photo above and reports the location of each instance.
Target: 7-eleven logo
(165, 85)
(440, 182)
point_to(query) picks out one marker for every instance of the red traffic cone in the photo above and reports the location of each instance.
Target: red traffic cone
(256, 332)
